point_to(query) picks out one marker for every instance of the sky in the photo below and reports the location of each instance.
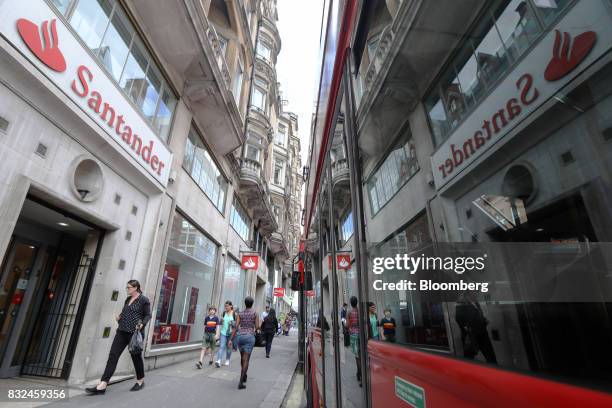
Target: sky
(297, 67)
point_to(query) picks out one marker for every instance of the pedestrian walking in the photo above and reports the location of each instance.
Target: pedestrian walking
(134, 316)
(247, 323)
(373, 332)
(268, 327)
(264, 314)
(228, 323)
(211, 335)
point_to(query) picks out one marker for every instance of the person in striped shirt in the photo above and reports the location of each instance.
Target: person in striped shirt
(211, 335)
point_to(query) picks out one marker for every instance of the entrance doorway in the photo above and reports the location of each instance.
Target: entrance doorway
(45, 278)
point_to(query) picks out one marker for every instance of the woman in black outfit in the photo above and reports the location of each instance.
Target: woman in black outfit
(135, 315)
(269, 327)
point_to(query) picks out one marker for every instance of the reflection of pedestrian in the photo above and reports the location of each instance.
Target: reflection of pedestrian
(135, 315)
(373, 332)
(353, 326)
(473, 325)
(388, 325)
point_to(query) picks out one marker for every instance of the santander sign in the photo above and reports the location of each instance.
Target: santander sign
(540, 75)
(34, 30)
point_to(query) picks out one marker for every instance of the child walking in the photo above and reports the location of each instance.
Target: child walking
(211, 335)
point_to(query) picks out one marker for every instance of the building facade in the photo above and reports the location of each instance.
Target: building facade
(123, 143)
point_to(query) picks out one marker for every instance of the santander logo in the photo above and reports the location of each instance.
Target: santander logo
(46, 48)
(566, 58)
(249, 263)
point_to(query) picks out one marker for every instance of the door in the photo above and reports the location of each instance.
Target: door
(17, 280)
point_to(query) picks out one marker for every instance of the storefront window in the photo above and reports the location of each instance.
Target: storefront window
(397, 168)
(108, 32)
(186, 287)
(233, 283)
(204, 171)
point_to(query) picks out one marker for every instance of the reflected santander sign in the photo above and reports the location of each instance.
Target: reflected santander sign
(35, 30)
(579, 39)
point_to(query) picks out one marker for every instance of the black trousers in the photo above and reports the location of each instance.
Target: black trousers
(120, 342)
(268, 336)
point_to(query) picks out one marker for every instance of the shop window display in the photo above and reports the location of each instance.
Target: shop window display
(186, 287)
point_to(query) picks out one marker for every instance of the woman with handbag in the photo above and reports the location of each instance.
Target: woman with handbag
(135, 315)
(228, 323)
(247, 323)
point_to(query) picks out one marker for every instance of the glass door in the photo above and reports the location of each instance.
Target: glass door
(16, 283)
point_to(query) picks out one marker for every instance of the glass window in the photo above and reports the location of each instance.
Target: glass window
(259, 99)
(518, 28)
(238, 83)
(278, 172)
(163, 119)
(61, 5)
(347, 226)
(373, 45)
(501, 38)
(122, 53)
(550, 9)
(90, 19)
(133, 77)
(187, 284)
(233, 283)
(239, 220)
(397, 168)
(263, 50)
(116, 44)
(252, 152)
(279, 138)
(150, 93)
(222, 45)
(204, 171)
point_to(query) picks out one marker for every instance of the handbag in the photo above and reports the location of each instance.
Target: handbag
(136, 344)
(260, 341)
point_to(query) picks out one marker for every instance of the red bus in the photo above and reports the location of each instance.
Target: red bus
(477, 133)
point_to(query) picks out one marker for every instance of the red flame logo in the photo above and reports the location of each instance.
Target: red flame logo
(563, 60)
(46, 48)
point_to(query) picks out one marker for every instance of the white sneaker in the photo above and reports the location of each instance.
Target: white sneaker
(226, 363)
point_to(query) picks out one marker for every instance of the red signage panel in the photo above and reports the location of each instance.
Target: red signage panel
(250, 261)
(279, 292)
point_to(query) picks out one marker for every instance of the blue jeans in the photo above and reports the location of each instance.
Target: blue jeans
(224, 349)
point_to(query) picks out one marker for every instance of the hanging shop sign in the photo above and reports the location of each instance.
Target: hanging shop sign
(250, 262)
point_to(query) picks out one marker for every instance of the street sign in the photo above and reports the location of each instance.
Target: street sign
(250, 261)
(279, 292)
(410, 393)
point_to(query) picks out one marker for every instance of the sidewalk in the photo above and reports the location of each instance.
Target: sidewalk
(183, 385)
